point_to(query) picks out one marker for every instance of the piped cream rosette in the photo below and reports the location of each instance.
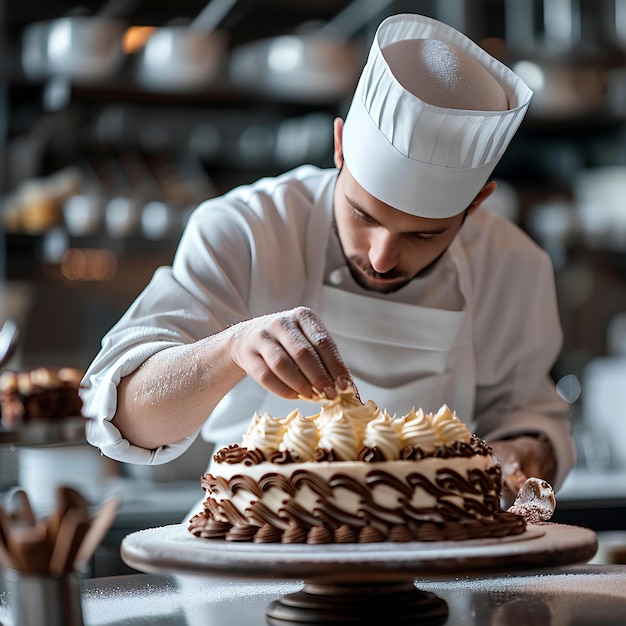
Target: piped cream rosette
(346, 425)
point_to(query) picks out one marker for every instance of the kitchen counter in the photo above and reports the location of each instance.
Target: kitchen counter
(143, 504)
(571, 596)
(595, 500)
(586, 485)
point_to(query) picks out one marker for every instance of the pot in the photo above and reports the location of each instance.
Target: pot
(185, 57)
(79, 48)
(313, 64)
(568, 76)
(82, 49)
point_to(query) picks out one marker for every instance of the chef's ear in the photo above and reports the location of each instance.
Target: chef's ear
(337, 135)
(482, 195)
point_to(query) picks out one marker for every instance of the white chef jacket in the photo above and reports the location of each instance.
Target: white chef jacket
(479, 331)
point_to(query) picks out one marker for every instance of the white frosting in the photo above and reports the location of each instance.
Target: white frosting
(264, 433)
(417, 430)
(345, 425)
(449, 427)
(300, 438)
(383, 495)
(347, 405)
(339, 434)
(380, 433)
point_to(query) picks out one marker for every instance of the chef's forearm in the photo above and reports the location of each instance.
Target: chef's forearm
(172, 393)
(290, 353)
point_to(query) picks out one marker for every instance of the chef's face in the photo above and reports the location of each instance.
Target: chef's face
(386, 248)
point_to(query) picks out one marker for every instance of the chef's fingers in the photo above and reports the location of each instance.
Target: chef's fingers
(309, 346)
(273, 374)
(505, 454)
(513, 481)
(290, 353)
(533, 456)
(326, 350)
(274, 351)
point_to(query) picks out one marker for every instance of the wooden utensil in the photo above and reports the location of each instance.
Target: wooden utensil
(4, 528)
(98, 529)
(66, 498)
(6, 558)
(9, 336)
(72, 531)
(22, 512)
(30, 549)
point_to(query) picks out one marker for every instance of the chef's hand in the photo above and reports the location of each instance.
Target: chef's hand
(522, 458)
(290, 353)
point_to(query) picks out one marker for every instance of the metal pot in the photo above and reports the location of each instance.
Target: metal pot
(78, 48)
(316, 65)
(185, 57)
(83, 49)
(569, 76)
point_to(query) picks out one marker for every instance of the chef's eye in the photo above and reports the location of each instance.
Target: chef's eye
(363, 217)
(422, 236)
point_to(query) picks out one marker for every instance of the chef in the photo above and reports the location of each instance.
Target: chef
(385, 273)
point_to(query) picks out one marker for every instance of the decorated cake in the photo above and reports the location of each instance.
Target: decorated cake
(353, 473)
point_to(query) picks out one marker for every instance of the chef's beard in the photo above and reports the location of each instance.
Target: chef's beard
(360, 269)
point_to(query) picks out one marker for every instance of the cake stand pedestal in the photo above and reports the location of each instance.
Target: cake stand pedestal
(355, 583)
(383, 603)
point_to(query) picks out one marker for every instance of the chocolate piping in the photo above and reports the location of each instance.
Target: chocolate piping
(446, 520)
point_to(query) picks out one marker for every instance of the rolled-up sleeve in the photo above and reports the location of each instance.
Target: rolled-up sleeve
(99, 396)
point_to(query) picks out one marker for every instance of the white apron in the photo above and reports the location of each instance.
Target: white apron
(424, 357)
(400, 355)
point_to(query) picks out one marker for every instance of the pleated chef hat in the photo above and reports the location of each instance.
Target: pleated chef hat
(431, 117)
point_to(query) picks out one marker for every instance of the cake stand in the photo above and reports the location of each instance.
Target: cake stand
(356, 583)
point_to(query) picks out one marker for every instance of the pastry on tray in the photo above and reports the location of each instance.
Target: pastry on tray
(44, 393)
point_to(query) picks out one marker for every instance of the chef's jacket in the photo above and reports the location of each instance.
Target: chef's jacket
(479, 331)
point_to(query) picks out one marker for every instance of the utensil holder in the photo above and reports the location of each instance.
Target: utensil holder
(43, 600)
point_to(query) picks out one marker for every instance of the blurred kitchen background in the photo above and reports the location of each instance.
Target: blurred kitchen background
(118, 117)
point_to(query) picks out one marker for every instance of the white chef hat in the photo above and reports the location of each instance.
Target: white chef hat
(430, 154)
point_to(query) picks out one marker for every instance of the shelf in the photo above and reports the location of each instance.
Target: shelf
(25, 259)
(35, 434)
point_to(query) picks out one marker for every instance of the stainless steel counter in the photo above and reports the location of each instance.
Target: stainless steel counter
(595, 500)
(587, 485)
(572, 596)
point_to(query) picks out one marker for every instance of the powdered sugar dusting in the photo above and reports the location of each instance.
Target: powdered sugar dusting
(179, 375)
(443, 75)
(442, 61)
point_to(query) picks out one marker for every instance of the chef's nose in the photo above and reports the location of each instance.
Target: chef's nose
(384, 251)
